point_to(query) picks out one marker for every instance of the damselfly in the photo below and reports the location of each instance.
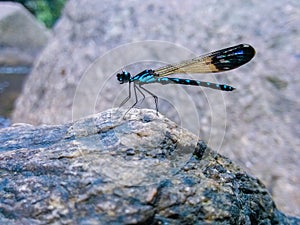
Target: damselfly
(214, 62)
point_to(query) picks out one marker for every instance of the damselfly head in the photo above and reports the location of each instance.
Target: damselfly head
(123, 77)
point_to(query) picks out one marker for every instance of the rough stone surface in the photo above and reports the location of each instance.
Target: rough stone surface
(21, 36)
(137, 169)
(256, 126)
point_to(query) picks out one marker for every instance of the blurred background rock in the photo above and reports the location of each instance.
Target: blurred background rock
(22, 37)
(262, 118)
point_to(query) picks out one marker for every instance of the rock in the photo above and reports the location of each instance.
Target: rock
(21, 36)
(75, 76)
(137, 169)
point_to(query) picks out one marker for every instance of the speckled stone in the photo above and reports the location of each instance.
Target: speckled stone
(113, 169)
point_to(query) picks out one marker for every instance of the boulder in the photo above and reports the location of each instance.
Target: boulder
(22, 37)
(112, 168)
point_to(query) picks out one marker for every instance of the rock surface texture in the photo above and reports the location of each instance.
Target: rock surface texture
(257, 125)
(137, 169)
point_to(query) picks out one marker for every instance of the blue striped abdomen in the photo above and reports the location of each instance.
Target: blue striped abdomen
(168, 80)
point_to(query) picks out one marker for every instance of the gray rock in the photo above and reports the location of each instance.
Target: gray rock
(256, 125)
(21, 36)
(137, 169)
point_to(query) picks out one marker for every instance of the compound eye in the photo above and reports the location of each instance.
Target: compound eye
(120, 77)
(123, 77)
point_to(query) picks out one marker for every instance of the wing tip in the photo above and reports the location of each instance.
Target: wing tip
(249, 50)
(232, 57)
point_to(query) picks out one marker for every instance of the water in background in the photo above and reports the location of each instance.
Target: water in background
(11, 83)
